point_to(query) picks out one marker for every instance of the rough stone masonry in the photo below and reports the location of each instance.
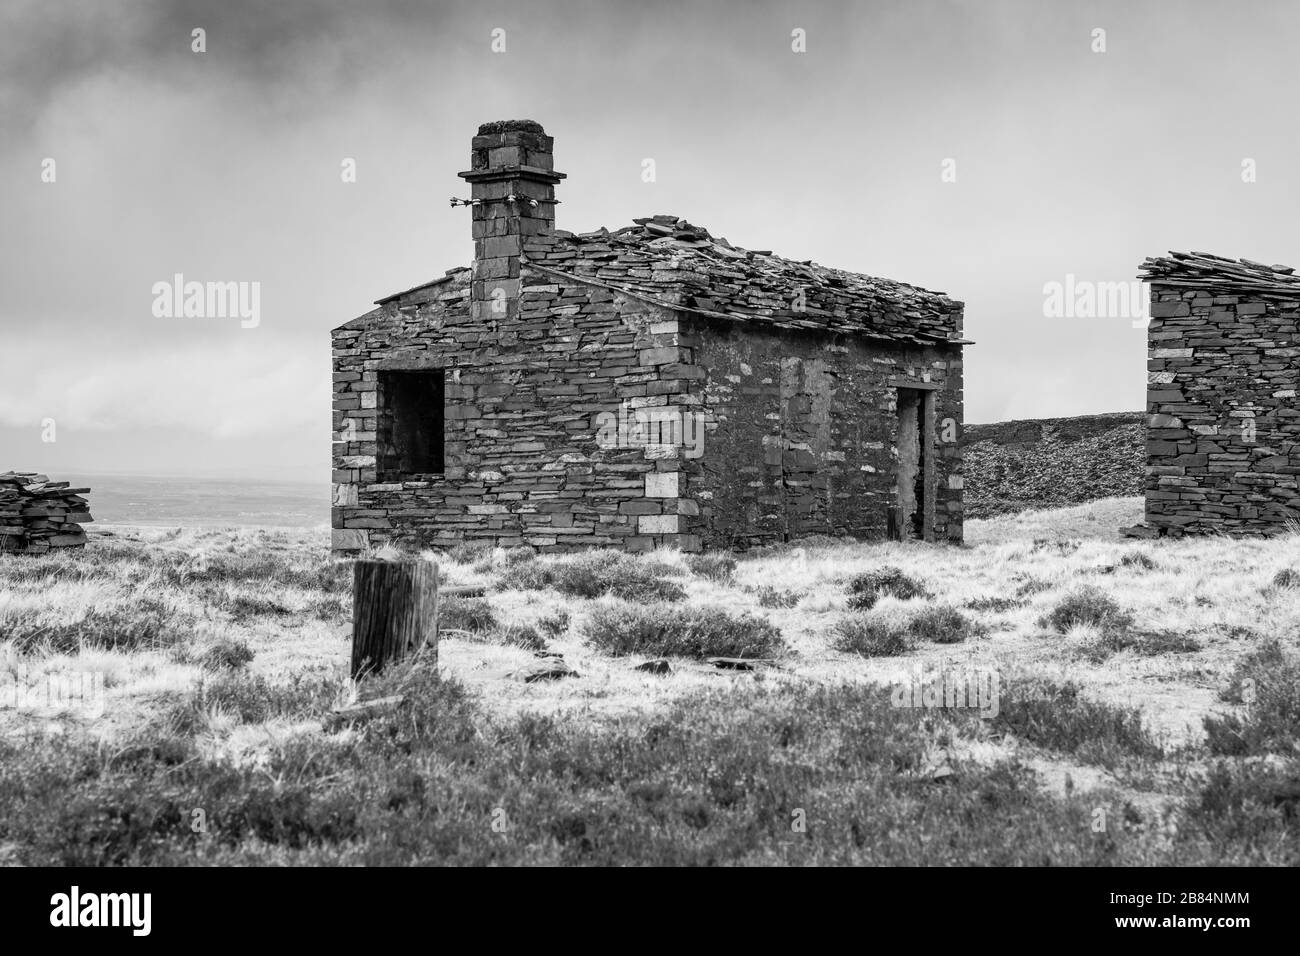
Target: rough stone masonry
(1223, 443)
(651, 386)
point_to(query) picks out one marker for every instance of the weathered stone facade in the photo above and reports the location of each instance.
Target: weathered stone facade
(648, 387)
(802, 436)
(1223, 445)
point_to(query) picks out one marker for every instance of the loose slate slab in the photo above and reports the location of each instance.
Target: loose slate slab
(739, 663)
(1139, 531)
(551, 668)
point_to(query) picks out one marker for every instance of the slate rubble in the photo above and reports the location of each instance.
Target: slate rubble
(1053, 462)
(37, 514)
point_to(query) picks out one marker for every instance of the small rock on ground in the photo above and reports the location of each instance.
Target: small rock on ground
(659, 666)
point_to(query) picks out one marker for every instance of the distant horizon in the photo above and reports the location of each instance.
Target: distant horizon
(202, 501)
(197, 476)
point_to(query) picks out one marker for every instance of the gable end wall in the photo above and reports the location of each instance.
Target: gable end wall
(523, 461)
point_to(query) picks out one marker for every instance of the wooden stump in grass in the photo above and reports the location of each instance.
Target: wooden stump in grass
(394, 612)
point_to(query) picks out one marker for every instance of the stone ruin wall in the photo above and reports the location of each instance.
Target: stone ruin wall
(799, 430)
(801, 435)
(1223, 446)
(522, 462)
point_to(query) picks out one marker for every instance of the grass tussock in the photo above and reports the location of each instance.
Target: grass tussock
(941, 624)
(868, 636)
(1266, 683)
(664, 630)
(226, 654)
(1032, 586)
(1143, 643)
(472, 615)
(132, 622)
(244, 607)
(1138, 560)
(555, 624)
(995, 604)
(877, 635)
(865, 590)
(470, 552)
(771, 597)
(712, 565)
(1246, 812)
(1288, 579)
(1088, 606)
(526, 636)
(593, 575)
(1059, 717)
(245, 698)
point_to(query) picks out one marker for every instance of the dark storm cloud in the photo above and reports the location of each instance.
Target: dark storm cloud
(226, 166)
(47, 47)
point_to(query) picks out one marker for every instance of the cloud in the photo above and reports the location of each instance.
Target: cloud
(252, 386)
(47, 48)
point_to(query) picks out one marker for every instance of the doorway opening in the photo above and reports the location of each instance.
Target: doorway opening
(913, 463)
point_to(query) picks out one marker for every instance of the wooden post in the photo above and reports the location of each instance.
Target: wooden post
(394, 612)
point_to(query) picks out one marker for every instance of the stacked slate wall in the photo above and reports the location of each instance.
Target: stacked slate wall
(801, 435)
(1223, 448)
(523, 463)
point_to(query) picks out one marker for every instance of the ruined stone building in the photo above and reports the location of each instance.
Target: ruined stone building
(1223, 444)
(649, 386)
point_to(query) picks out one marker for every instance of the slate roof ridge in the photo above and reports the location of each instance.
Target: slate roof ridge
(1208, 271)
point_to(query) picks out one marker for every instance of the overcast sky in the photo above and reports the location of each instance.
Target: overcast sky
(225, 166)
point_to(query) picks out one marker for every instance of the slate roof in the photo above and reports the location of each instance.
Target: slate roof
(669, 261)
(1201, 270)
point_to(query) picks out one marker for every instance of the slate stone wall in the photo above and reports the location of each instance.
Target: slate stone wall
(1223, 445)
(524, 463)
(798, 431)
(802, 432)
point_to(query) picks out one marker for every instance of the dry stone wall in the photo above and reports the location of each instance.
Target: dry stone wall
(1224, 363)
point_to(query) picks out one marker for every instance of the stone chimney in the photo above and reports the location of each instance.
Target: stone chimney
(512, 179)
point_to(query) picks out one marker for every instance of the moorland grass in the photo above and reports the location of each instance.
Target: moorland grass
(1266, 682)
(715, 778)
